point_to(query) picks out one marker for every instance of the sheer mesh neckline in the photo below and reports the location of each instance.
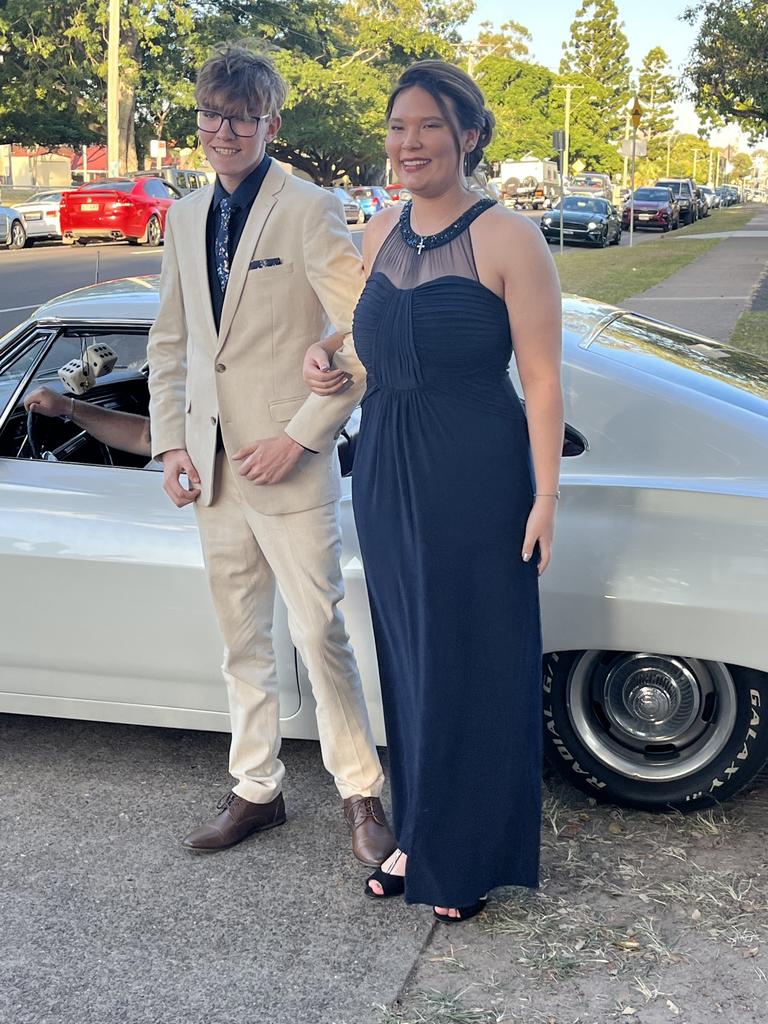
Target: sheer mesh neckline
(447, 254)
(421, 242)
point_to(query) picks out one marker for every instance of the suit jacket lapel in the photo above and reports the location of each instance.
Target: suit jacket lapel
(257, 218)
(200, 250)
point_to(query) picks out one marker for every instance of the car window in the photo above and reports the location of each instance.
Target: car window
(110, 186)
(131, 350)
(155, 187)
(182, 180)
(171, 192)
(17, 368)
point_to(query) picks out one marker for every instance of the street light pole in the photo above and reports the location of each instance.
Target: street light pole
(669, 150)
(113, 80)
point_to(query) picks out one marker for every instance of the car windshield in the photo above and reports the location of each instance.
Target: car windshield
(728, 373)
(580, 204)
(365, 193)
(676, 186)
(46, 197)
(648, 195)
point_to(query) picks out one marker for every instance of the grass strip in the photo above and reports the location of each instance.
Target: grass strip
(613, 274)
(751, 333)
(730, 218)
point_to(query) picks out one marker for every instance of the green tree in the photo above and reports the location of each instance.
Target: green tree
(727, 73)
(741, 167)
(518, 92)
(595, 59)
(511, 39)
(657, 93)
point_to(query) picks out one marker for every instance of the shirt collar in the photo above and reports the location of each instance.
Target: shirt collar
(248, 188)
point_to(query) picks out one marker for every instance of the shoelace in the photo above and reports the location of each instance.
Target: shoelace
(363, 809)
(227, 800)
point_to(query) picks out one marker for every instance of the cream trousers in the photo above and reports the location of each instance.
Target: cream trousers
(246, 553)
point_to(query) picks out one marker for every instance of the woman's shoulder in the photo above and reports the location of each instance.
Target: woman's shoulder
(508, 237)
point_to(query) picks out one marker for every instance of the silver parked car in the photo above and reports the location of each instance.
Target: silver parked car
(13, 231)
(41, 215)
(655, 676)
(353, 211)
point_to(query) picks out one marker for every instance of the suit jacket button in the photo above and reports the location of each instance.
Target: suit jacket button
(220, 367)
(213, 420)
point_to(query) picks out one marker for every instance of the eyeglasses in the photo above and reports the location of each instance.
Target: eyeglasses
(242, 127)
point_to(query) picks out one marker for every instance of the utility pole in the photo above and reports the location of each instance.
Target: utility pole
(717, 168)
(636, 114)
(113, 87)
(669, 150)
(695, 159)
(569, 87)
(626, 153)
(709, 169)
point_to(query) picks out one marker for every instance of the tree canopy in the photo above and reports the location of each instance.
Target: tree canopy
(727, 70)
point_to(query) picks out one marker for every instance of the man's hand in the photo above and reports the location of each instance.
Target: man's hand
(175, 462)
(47, 402)
(269, 461)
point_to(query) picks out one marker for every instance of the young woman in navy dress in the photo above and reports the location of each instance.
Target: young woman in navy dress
(455, 487)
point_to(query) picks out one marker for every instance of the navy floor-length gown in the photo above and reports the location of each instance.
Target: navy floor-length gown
(442, 488)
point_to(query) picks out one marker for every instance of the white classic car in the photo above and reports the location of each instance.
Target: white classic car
(655, 677)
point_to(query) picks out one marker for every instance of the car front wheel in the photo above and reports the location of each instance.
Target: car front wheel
(654, 731)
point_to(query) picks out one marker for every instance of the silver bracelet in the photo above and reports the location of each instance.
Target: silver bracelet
(70, 416)
(556, 495)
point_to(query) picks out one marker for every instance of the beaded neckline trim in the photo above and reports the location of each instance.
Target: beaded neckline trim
(421, 242)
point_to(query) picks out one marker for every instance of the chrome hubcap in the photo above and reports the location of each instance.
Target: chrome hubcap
(650, 716)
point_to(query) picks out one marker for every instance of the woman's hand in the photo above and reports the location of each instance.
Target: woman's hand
(319, 376)
(540, 529)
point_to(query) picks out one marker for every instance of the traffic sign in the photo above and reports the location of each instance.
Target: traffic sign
(637, 112)
(157, 147)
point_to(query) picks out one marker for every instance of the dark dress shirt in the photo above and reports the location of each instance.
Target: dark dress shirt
(242, 201)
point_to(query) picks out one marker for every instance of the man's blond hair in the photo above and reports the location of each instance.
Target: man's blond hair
(242, 80)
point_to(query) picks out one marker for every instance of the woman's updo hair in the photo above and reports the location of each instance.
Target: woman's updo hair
(443, 82)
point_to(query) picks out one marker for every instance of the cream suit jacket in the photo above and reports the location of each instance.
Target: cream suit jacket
(248, 375)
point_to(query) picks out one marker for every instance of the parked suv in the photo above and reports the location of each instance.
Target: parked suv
(185, 181)
(684, 191)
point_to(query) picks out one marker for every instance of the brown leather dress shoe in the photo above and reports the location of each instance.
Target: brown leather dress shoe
(237, 819)
(372, 840)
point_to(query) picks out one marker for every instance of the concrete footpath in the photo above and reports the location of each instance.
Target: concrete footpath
(710, 294)
(643, 919)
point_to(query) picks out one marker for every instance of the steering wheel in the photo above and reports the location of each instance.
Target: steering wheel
(33, 434)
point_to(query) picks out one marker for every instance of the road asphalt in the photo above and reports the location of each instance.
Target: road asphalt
(709, 295)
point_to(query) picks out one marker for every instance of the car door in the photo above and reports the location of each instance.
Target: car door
(4, 224)
(104, 605)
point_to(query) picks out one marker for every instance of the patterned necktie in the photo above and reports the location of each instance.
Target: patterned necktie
(222, 242)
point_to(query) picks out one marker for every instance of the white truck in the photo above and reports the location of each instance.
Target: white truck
(530, 182)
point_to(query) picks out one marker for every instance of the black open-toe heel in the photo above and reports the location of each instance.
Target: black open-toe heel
(464, 912)
(391, 885)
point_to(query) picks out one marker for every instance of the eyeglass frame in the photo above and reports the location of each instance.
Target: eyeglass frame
(230, 118)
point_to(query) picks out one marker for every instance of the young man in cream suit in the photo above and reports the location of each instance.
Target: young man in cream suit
(255, 269)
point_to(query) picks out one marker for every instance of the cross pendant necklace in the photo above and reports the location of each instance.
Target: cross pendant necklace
(420, 246)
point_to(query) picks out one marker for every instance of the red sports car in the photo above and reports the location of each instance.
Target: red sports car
(133, 209)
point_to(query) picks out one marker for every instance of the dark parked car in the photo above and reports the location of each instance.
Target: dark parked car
(653, 208)
(591, 221)
(684, 191)
(133, 209)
